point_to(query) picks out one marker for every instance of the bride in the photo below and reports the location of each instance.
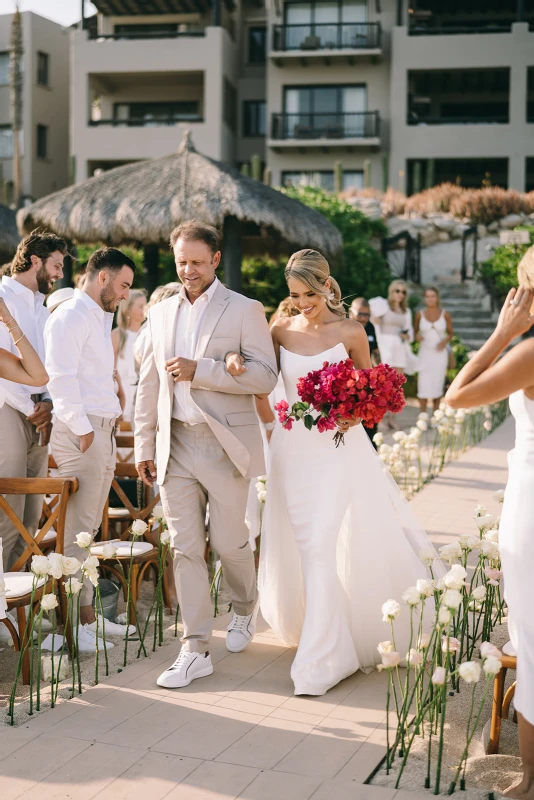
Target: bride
(339, 539)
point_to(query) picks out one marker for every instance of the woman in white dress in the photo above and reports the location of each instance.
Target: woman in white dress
(394, 328)
(433, 329)
(486, 378)
(130, 317)
(338, 539)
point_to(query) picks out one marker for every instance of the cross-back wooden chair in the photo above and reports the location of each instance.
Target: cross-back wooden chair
(501, 702)
(50, 502)
(125, 441)
(128, 512)
(18, 580)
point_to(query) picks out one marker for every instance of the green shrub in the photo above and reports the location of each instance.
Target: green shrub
(499, 273)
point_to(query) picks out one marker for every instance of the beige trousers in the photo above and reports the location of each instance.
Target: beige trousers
(199, 472)
(94, 469)
(20, 457)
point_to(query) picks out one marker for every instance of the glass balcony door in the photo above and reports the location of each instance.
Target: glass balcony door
(319, 24)
(317, 112)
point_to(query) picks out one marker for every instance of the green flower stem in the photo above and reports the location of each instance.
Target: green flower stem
(442, 720)
(23, 647)
(471, 733)
(39, 637)
(52, 683)
(69, 603)
(101, 614)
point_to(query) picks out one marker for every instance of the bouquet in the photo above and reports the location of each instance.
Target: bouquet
(341, 392)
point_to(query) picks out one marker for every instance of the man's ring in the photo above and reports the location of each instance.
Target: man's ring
(514, 302)
(175, 372)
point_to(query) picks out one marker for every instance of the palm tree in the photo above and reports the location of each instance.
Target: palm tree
(15, 91)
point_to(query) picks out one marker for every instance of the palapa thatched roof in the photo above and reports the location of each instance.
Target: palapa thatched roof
(142, 202)
(9, 237)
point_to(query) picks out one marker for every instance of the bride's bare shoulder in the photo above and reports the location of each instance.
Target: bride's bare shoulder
(353, 329)
(280, 326)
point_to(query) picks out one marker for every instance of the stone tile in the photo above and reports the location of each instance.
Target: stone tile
(212, 781)
(85, 776)
(325, 750)
(363, 762)
(98, 718)
(208, 733)
(152, 777)
(21, 770)
(12, 739)
(149, 726)
(296, 716)
(343, 790)
(280, 785)
(266, 744)
(248, 707)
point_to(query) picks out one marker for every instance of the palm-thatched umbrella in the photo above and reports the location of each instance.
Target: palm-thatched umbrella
(9, 236)
(141, 203)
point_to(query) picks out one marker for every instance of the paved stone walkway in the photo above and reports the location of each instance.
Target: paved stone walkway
(240, 732)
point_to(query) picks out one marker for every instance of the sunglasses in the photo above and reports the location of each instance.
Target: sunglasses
(400, 291)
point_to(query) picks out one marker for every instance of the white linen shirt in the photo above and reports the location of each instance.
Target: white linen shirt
(28, 310)
(187, 330)
(80, 363)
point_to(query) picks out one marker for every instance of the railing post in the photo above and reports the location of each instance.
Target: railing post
(463, 266)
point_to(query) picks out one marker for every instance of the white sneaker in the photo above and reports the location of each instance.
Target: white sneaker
(112, 629)
(241, 631)
(187, 667)
(86, 641)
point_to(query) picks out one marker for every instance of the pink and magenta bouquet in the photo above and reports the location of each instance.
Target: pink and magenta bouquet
(341, 392)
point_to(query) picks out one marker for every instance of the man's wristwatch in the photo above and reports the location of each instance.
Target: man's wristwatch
(270, 426)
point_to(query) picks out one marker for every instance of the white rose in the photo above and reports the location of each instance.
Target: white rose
(468, 542)
(385, 449)
(455, 578)
(487, 425)
(400, 436)
(414, 658)
(91, 563)
(48, 602)
(397, 448)
(452, 599)
(470, 671)
(489, 550)
(423, 416)
(439, 676)
(390, 610)
(438, 415)
(425, 587)
(262, 496)
(139, 527)
(165, 538)
(40, 566)
(73, 586)
(479, 593)
(70, 565)
(55, 565)
(158, 513)
(488, 649)
(422, 425)
(84, 540)
(498, 496)
(451, 552)
(109, 550)
(480, 511)
(486, 521)
(390, 659)
(444, 616)
(427, 555)
(411, 596)
(413, 472)
(492, 665)
(92, 574)
(378, 439)
(492, 535)
(424, 641)
(450, 412)
(460, 415)
(385, 647)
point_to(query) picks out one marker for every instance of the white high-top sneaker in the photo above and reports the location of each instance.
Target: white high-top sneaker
(187, 667)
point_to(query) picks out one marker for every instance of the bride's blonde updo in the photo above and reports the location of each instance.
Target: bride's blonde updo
(312, 269)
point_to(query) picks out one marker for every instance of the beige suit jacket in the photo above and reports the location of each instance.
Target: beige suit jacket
(231, 323)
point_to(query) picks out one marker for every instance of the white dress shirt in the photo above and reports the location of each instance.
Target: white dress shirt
(80, 363)
(187, 330)
(28, 310)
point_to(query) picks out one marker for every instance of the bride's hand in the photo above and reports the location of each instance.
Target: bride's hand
(515, 317)
(235, 364)
(343, 425)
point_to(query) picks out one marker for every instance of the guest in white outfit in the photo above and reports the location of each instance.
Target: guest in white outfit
(55, 299)
(489, 377)
(79, 360)
(433, 329)
(393, 321)
(26, 416)
(130, 316)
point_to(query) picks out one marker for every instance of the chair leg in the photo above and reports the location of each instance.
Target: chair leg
(496, 714)
(21, 622)
(507, 700)
(134, 594)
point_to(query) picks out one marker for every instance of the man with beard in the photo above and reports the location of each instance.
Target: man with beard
(26, 416)
(80, 365)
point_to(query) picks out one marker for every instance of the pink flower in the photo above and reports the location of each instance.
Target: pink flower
(488, 649)
(494, 575)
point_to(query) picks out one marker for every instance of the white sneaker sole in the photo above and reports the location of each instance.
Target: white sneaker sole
(201, 674)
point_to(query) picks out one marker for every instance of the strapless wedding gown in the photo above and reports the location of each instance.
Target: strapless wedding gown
(516, 543)
(338, 540)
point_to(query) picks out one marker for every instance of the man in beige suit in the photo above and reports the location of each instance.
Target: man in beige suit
(197, 435)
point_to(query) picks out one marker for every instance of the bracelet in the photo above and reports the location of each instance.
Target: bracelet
(18, 340)
(270, 426)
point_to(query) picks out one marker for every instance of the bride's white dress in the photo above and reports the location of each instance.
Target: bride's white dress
(338, 540)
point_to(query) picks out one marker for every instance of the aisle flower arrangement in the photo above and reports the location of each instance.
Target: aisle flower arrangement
(446, 654)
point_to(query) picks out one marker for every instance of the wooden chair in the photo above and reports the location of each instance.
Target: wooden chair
(501, 702)
(126, 513)
(125, 441)
(19, 579)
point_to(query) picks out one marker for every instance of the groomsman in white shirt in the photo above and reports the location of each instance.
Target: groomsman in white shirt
(80, 365)
(26, 417)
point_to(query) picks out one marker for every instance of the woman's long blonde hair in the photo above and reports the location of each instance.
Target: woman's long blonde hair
(525, 269)
(123, 316)
(312, 268)
(398, 284)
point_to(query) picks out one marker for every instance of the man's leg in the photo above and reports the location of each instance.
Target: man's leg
(15, 436)
(184, 504)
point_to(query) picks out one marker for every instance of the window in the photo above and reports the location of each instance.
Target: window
(254, 118)
(257, 45)
(42, 141)
(471, 173)
(4, 69)
(325, 111)
(324, 21)
(6, 141)
(42, 68)
(530, 94)
(154, 30)
(152, 114)
(323, 179)
(230, 104)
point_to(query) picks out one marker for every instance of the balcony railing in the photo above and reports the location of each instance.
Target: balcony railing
(301, 127)
(434, 28)
(490, 120)
(115, 37)
(327, 36)
(143, 122)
